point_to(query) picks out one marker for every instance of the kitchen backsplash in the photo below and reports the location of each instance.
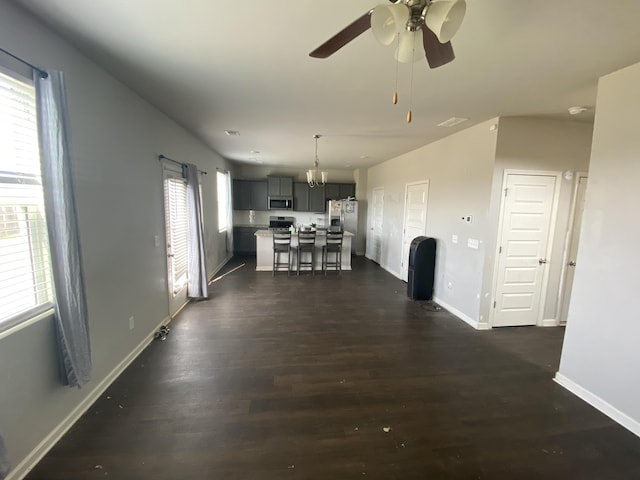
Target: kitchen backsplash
(245, 217)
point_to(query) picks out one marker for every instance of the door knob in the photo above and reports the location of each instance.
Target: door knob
(572, 263)
(542, 260)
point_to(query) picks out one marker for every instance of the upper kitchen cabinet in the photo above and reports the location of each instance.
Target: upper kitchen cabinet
(332, 191)
(250, 195)
(347, 190)
(301, 197)
(307, 199)
(317, 199)
(280, 186)
(338, 191)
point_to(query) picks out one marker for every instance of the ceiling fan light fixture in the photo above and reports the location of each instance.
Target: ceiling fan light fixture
(409, 47)
(444, 18)
(389, 20)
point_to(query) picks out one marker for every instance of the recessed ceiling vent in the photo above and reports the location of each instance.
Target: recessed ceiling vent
(453, 121)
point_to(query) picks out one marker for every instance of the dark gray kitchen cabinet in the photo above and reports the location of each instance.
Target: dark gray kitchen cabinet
(280, 186)
(317, 199)
(339, 191)
(250, 195)
(332, 191)
(347, 190)
(259, 196)
(301, 197)
(244, 240)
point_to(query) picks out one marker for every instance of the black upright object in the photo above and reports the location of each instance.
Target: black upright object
(422, 264)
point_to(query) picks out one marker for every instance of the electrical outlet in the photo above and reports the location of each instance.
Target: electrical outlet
(132, 323)
(156, 241)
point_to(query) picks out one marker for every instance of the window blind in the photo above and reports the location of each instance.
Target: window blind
(176, 208)
(25, 272)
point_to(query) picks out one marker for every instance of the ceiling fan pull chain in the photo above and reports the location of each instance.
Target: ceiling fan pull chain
(411, 85)
(395, 94)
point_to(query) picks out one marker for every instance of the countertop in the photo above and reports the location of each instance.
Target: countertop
(252, 225)
(319, 233)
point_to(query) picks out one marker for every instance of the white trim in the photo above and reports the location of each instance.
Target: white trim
(32, 459)
(598, 403)
(19, 326)
(369, 235)
(219, 267)
(404, 226)
(388, 269)
(567, 246)
(551, 234)
(549, 322)
(465, 318)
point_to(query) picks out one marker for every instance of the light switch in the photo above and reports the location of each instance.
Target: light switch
(454, 238)
(473, 243)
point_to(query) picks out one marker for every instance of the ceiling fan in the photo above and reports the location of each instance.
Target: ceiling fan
(438, 20)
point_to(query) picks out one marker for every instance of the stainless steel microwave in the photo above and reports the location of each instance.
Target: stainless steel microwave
(280, 203)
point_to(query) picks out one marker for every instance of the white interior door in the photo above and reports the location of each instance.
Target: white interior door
(175, 200)
(528, 207)
(415, 220)
(374, 241)
(573, 245)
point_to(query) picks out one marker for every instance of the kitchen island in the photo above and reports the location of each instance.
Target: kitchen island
(264, 253)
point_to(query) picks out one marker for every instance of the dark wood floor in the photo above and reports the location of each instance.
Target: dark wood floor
(276, 378)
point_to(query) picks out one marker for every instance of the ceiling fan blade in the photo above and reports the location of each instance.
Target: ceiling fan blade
(343, 37)
(437, 53)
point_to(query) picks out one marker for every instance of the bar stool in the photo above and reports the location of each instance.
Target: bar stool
(281, 244)
(306, 244)
(333, 245)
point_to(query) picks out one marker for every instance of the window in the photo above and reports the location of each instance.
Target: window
(223, 201)
(25, 271)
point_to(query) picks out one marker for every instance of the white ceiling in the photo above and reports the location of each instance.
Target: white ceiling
(244, 65)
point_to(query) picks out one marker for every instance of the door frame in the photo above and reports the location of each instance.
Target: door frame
(567, 245)
(168, 171)
(552, 227)
(369, 236)
(403, 277)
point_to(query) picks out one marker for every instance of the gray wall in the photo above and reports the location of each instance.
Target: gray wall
(466, 171)
(116, 137)
(601, 352)
(538, 144)
(256, 172)
(459, 169)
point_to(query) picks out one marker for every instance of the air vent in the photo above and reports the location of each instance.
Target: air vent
(232, 133)
(453, 121)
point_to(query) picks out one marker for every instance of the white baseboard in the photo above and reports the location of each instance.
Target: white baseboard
(457, 313)
(392, 272)
(32, 459)
(599, 404)
(549, 322)
(219, 267)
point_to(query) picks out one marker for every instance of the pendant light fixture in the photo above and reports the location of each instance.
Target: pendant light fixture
(315, 178)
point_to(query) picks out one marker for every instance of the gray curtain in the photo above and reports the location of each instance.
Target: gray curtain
(4, 460)
(197, 286)
(71, 316)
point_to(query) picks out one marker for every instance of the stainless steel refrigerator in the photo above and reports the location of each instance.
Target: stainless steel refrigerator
(343, 214)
